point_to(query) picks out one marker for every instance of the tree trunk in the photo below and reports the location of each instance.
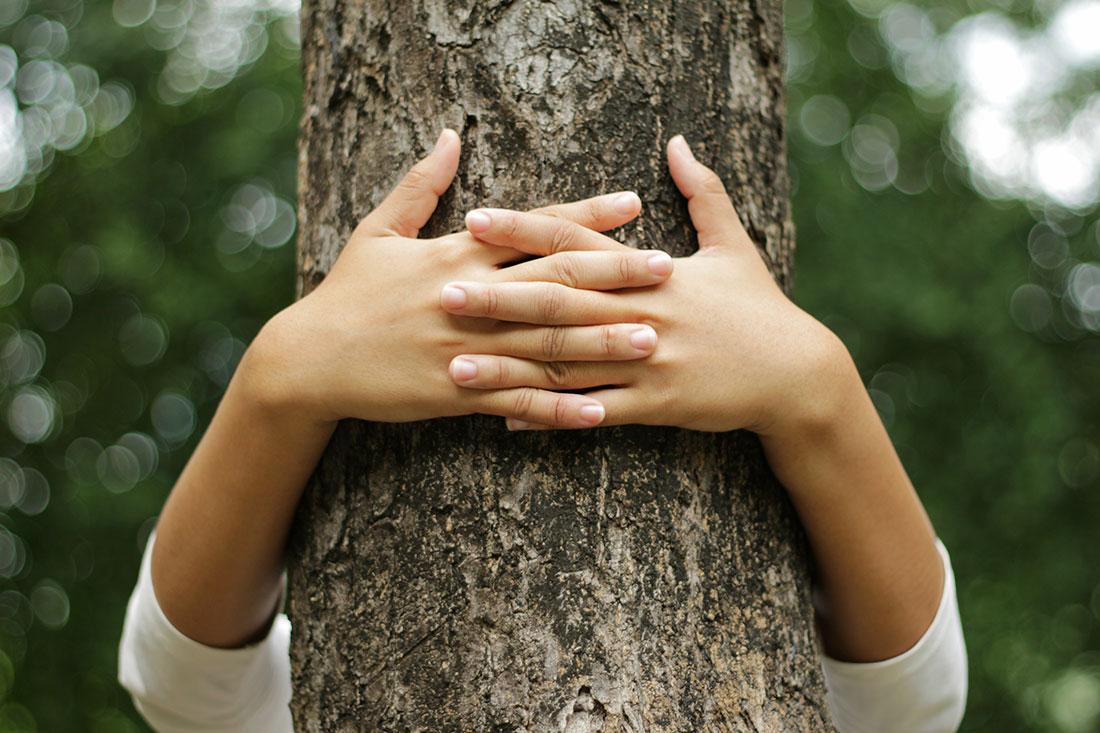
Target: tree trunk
(450, 576)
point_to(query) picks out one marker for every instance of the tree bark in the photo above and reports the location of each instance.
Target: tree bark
(450, 576)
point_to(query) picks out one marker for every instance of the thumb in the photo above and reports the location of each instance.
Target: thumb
(709, 205)
(411, 203)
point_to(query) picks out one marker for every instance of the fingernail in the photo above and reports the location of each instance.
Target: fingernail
(463, 370)
(643, 339)
(592, 414)
(513, 424)
(660, 263)
(627, 203)
(453, 297)
(478, 220)
(439, 140)
(681, 143)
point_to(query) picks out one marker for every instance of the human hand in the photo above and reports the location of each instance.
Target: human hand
(735, 352)
(371, 342)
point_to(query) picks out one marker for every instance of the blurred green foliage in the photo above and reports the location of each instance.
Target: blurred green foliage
(151, 229)
(145, 237)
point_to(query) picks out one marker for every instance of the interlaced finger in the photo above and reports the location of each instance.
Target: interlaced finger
(616, 342)
(623, 406)
(595, 270)
(536, 234)
(534, 302)
(527, 404)
(488, 371)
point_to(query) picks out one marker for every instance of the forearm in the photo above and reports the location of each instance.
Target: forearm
(217, 562)
(879, 575)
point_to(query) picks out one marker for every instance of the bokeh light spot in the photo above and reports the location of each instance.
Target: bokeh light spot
(51, 307)
(1031, 308)
(36, 492)
(132, 13)
(1073, 701)
(1076, 31)
(32, 414)
(13, 554)
(118, 469)
(173, 417)
(824, 119)
(81, 459)
(22, 356)
(50, 604)
(11, 11)
(143, 340)
(12, 483)
(1079, 463)
(11, 274)
(144, 449)
(80, 268)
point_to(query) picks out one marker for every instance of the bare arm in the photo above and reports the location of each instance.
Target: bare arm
(372, 343)
(217, 562)
(879, 575)
(756, 361)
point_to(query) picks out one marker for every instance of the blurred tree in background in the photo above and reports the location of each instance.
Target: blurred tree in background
(947, 167)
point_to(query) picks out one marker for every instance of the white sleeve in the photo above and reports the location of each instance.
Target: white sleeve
(182, 686)
(922, 690)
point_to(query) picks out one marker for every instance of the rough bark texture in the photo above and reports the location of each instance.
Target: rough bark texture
(450, 576)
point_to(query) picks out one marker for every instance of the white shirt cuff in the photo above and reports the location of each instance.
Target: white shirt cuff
(922, 690)
(181, 685)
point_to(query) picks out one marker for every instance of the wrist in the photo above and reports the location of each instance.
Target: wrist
(274, 378)
(822, 390)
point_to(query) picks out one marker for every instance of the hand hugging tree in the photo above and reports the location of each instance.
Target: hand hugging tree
(455, 575)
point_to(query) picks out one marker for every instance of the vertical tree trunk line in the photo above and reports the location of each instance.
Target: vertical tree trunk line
(450, 576)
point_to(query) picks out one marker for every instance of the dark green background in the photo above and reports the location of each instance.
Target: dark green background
(143, 259)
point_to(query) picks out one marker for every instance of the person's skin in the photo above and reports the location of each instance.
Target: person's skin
(371, 342)
(733, 353)
(736, 353)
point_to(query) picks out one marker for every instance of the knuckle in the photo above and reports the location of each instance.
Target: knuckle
(523, 401)
(712, 183)
(510, 227)
(565, 235)
(625, 267)
(592, 211)
(553, 343)
(416, 179)
(492, 301)
(662, 403)
(558, 373)
(551, 305)
(502, 373)
(565, 270)
(560, 409)
(450, 251)
(607, 340)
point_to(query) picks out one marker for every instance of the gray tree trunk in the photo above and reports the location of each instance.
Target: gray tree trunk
(450, 576)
